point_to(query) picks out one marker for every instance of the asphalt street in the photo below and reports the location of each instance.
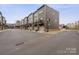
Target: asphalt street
(21, 42)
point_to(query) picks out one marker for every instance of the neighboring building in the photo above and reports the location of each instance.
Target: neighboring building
(24, 23)
(77, 24)
(73, 25)
(2, 22)
(10, 26)
(17, 24)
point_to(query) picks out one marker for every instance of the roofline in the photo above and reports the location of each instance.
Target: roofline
(29, 15)
(40, 8)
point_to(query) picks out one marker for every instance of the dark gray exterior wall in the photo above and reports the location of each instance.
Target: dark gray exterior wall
(48, 16)
(39, 15)
(53, 15)
(30, 18)
(31, 21)
(47, 13)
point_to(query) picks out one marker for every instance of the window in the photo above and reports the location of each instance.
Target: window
(30, 18)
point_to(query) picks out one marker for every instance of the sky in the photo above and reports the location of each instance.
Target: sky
(68, 13)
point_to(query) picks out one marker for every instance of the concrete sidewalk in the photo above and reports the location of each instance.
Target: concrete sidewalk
(43, 32)
(4, 30)
(51, 32)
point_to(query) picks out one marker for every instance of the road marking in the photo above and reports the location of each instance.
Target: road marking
(19, 43)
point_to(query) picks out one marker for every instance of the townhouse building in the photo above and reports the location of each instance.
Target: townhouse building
(44, 18)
